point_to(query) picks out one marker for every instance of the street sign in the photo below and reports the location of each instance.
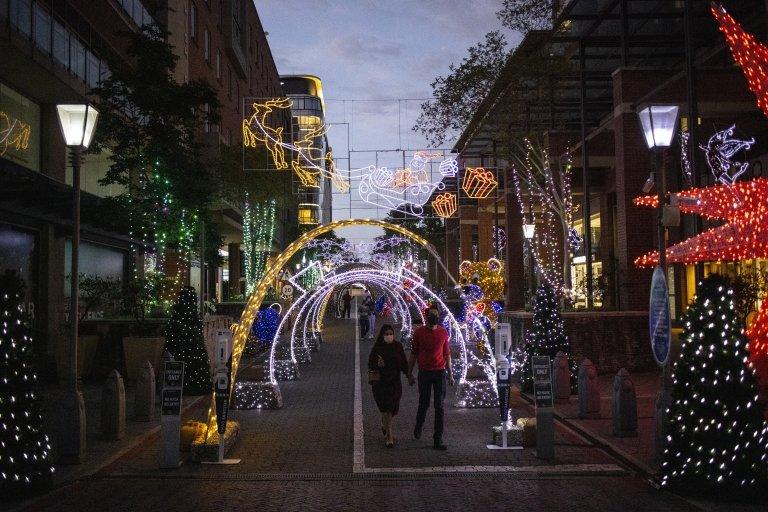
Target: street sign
(542, 382)
(173, 374)
(659, 320)
(170, 413)
(171, 402)
(542, 392)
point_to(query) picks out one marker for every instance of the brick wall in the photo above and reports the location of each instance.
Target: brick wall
(612, 340)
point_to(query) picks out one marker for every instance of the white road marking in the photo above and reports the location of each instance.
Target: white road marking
(358, 458)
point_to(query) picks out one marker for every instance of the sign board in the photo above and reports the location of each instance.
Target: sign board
(171, 402)
(542, 382)
(659, 320)
(173, 374)
(170, 413)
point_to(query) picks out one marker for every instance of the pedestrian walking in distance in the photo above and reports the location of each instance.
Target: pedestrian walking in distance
(385, 364)
(347, 298)
(430, 350)
(371, 305)
(362, 318)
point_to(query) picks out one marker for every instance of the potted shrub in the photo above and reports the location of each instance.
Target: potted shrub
(144, 342)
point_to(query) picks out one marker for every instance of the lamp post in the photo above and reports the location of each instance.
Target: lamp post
(528, 231)
(658, 123)
(77, 124)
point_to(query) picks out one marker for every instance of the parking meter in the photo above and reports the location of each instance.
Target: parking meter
(502, 384)
(221, 378)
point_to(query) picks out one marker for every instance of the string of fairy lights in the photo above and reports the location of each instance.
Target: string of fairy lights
(258, 237)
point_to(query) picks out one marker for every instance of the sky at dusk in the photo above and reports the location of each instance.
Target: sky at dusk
(370, 54)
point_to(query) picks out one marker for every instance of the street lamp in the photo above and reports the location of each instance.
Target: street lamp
(658, 123)
(528, 231)
(77, 123)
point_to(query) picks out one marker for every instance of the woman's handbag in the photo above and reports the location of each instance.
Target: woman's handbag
(374, 376)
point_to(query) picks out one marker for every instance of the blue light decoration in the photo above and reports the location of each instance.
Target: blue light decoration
(266, 326)
(574, 239)
(380, 304)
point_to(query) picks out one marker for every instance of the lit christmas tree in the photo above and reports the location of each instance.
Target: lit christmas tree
(25, 457)
(547, 336)
(184, 339)
(718, 439)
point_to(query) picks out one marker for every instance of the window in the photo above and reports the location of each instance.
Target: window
(77, 58)
(229, 82)
(42, 29)
(60, 44)
(218, 64)
(192, 20)
(206, 124)
(237, 96)
(21, 119)
(207, 45)
(93, 69)
(21, 16)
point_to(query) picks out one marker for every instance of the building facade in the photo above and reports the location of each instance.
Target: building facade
(602, 62)
(307, 122)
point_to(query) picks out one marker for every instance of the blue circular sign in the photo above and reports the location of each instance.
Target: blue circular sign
(658, 317)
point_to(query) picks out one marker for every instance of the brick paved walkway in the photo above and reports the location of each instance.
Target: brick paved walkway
(301, 458)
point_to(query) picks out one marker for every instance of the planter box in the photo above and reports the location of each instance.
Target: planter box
(86, 352)
(138, 350)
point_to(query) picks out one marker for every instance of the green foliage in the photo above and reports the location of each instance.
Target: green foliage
(717, 436)
(458, 94)
(526, 15)
(151, 124)
(25, 457)
(184, 339)
(99, 293)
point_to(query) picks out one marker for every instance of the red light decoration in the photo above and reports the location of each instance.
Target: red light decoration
(750, 54)
(744, 208)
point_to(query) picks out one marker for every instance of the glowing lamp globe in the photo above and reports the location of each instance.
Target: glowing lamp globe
(78, 124)
(658, 122)
(529, 230)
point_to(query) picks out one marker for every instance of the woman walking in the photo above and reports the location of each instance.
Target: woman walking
(385, 364)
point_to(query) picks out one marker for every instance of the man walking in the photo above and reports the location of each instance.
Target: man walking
(430, 349)
(347, 298)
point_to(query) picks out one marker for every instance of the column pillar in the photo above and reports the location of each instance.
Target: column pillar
(514, 254)
(235, 264)
(485, 230)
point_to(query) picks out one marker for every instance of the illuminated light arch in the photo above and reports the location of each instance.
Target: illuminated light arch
(266, 394)
(243, 328)
(287, 369)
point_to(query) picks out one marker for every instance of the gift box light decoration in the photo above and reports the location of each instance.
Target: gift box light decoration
(478, 182)
(748, 53)
(445, 204)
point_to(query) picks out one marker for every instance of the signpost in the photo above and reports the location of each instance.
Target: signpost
(221, 383)
(542, 390)
(170, 414)
(659, 317)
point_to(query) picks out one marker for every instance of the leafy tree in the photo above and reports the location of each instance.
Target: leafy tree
(526, 15)
(458, 94)
(184, 339)
(150, 124)
(25, 453)
(718, 438)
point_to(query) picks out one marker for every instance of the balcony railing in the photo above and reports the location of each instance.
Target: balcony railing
(52, 36)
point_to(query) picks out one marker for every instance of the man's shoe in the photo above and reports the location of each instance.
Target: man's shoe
(439, 445)
(417, 433)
